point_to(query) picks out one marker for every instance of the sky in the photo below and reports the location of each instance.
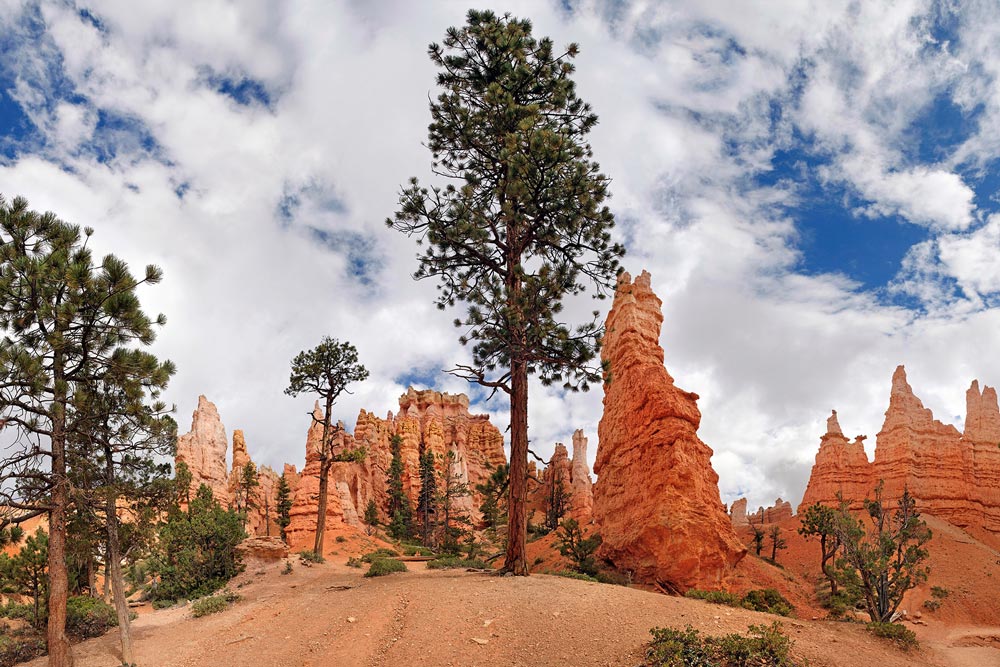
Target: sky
(812, 185)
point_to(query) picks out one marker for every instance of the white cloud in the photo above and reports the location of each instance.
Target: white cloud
(687, 94)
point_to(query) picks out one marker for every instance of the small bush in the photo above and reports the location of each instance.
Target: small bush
(715, 597)
(160, 603)
(378, 555)
(939, 592)
(288, 567)
(898, 634)
(613, 577)
(570, 574)
(767, 600)
(311, 557)
(763, 646)
(89, 617)
(383, 566)
(763, 599)
(353, 562)
(415, 550)
(932, 605)
(451, 562)
(17, 648)
(213, 604)
(341, 538)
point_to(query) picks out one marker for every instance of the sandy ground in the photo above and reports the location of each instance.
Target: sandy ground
(329, 616)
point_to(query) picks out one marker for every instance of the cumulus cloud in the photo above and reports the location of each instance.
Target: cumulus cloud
(253, 150)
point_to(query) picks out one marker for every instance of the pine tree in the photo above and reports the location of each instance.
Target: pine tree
(29, 572)
(557, 501)
(283, 506)
(427, 498)
(327, 369)
(454, 522)
(245, 496)
(521, 224)
(493, 492)
(820, 522)
(777, 542)
(62, 317)
(371, 516)
(400, 512)
(573, 545)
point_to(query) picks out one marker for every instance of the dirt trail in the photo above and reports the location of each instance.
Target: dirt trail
(329, 615)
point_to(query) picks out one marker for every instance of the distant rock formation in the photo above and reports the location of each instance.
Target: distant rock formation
(582, 504)
(776, 513)
(953, 475)
(656, 500)
(204, 450)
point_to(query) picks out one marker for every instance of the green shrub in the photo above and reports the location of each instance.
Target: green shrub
(213, 604)
(16, 648)
(353, 562)
(162, 603)
(932, 605)
(383, 566)
(341, 538)
(378, 555)
(311, 557)
(89, 617)
(763, 599)
(763, 646)
(715, 597)
(288, 567)
(416, 550)
(570, 574)
(613, 577)
(196, 552)
(898, 634)
(767, 600)
(939, 592)
(452, 562)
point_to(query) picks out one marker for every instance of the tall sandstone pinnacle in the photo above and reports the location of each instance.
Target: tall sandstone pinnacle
(656, 500)
(204, 449)
(582, 504)
(952, 475)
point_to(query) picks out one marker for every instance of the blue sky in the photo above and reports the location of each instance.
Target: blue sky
(813, 186)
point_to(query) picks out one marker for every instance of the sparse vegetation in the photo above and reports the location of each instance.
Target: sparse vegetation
(20, 647)
(767, 600)
(89, 617)
(383, 566)
(939, 592)
(288, 567)
(378, 554)
(453, 562)
(354, 562)
(762, 646)
(309, 556)
(213, 604)
(573, 545)
(898, 634)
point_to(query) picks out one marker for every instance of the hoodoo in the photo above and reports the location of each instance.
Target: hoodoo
(656, 500)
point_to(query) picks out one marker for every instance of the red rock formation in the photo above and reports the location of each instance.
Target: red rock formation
(203, 449)
(776, 513)
(582, 506)
(738, 513)
(261, 550)
(841, 467)
(656, 500)
(952, 475)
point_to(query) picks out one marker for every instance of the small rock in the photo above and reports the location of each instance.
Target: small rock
(481, 642)
(351, 619)
(487, 622)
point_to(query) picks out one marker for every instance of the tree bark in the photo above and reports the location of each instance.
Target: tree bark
(114, 564)
(326, 460)
(516, 560)
(60, 654)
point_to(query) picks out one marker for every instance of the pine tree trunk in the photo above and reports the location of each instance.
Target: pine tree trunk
(516, 561)
(118, 585)
(326, 461)
(59, 649)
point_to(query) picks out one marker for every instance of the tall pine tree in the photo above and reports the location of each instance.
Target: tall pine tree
(519, 225)
(400, 511)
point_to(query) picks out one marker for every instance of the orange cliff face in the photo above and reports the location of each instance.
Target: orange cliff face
(841, 470)
(952, 475)
(656, 500)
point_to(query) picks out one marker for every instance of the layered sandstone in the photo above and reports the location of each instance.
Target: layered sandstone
(582, 507)
(841, 469)
(738, 513)
(776, 513)
(204, 449)
(656, 500)
(953, 475)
